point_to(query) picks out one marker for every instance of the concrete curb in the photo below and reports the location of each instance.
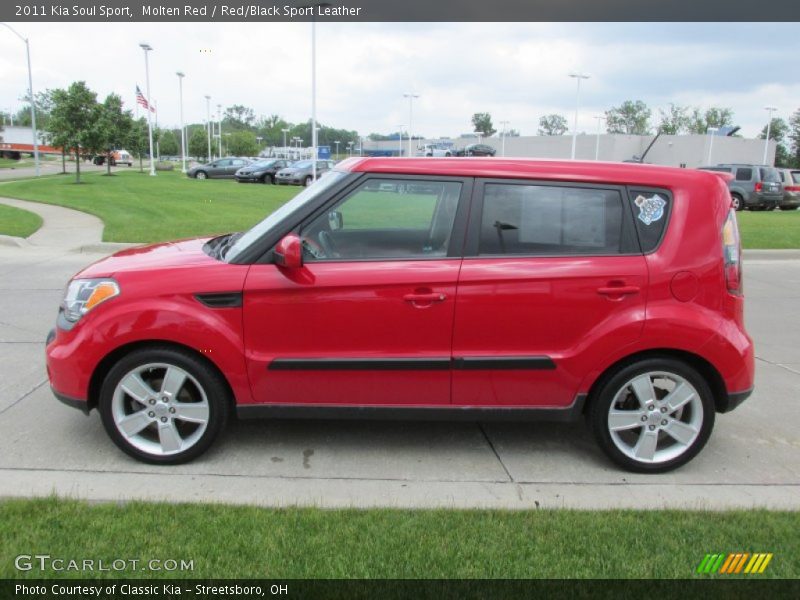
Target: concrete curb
(791, 254)
(14, 242)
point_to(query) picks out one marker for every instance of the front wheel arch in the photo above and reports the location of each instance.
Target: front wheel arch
(104, 366)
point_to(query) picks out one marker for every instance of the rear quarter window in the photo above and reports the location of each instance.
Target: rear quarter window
(770, 175)
(651, 209)
(744, 174)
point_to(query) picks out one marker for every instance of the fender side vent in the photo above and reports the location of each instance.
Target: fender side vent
(221, 299)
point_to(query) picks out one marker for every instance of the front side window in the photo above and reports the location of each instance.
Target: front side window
(548, 220)
(385, 219)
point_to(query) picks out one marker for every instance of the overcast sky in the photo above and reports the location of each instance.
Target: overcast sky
(516, 72)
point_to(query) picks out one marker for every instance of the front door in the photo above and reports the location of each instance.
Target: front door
(552, 282)
(368, 319)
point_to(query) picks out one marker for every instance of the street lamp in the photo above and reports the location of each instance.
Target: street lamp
(600, 119)
(410, 96)
(33, 101)
(258, 141)
(219, 127)
(350, 149)
(578, 77)
(337, 142)
(285, 131)
(183, 130)
(503, 138)
(147, 48)
(770, 110)
(712, 131)
(400, 140)
(208, 124)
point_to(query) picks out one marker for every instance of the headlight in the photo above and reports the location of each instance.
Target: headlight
(85, 294)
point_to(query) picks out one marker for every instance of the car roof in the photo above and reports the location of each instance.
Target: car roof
(553, 170)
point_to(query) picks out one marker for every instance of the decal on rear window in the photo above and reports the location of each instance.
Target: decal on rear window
(650, 209)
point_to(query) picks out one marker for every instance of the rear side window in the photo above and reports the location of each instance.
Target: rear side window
(770, 175)
(796, 176)
(745, 174)
(651, 210)
(548, 220)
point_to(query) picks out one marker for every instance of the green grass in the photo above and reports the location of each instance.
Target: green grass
(770, 230)
(138, 208)
(240, 542)
(18, 222)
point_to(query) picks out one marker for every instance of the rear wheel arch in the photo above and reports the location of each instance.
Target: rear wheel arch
(107, 363)
(708, 371)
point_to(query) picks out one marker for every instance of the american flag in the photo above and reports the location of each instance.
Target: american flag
(141, 100)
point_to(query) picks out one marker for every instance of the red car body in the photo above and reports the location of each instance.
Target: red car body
(518, 334)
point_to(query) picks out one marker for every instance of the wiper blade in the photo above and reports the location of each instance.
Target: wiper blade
(226, 244)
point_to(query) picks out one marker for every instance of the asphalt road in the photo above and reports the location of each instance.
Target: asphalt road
(752, 459)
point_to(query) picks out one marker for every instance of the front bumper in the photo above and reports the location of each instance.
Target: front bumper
(81, 405)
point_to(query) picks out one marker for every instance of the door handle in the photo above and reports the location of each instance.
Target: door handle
(618, 290)
(425, 298)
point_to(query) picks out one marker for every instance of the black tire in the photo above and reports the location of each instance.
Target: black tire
(788, 208)
(268, 179)
(201, 175)
(738, 202)
(308, 181)
(209, 381)
(615, 383)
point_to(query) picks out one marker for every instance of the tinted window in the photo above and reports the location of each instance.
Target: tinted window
(796, 176)
(546, 220)
(385, 218)
(770, 175)
(744, 174)
(651, 211)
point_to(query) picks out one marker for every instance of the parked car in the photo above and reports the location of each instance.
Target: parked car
(790, 178)
(300, 172)
(411, 288)
(261, 171)
(753, 186)
(434, 150)
(222, 168)
(477, 150)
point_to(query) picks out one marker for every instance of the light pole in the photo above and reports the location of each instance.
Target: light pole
(349, 149)
(183, 130)
(600, 119)
(578, 77)
(147, 48)
(258, 141)
(712, 131)
(337, 142)
(503, 137)
(208, 124)
(400, 140)
(33, 101)
(219, 127)
(410, 96)
(770, 110)
(285, 131)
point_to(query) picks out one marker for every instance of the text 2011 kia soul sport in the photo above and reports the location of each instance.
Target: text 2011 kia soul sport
(448, 288)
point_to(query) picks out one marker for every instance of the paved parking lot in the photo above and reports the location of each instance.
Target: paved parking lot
(753, 458)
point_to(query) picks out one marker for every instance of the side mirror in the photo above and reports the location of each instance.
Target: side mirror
(335, 220)
(289, 252)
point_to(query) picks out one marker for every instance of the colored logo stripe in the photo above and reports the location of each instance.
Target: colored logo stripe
(735, 563)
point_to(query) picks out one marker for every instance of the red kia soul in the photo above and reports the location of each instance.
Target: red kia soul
(445, 288)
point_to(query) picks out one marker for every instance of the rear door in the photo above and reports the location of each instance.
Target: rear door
(552, 281)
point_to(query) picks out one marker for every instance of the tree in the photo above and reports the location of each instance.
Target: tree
(241, 143)
(238, 117)
(168, 144)
(73, 121)
(482, 123)
(44, 104)
(631, 117)
(113, 126)
(138, 142)
(794, 136)
(198, 144)
(778, 129)
(674, 120)
(714, 116)
(552, 125)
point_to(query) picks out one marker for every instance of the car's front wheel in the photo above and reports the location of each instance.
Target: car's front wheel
(268, 179)
(653, 415)
(308, 181)
(162, 405)
(201, 175)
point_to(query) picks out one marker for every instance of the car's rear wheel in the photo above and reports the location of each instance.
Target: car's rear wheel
(308, 181)
(163, 406)
(788, 208)
(737, 202)
(653, 415)
(201, 175)
(268, 179)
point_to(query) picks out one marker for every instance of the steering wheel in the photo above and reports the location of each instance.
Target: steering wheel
(327, 243)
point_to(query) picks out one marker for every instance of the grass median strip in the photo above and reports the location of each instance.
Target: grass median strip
(249, 542)
(138, 208)
(18, 222)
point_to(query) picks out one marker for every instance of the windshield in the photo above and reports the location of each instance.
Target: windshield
(263, 163)
(302, 164)
(284, 211)
(770, 175)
